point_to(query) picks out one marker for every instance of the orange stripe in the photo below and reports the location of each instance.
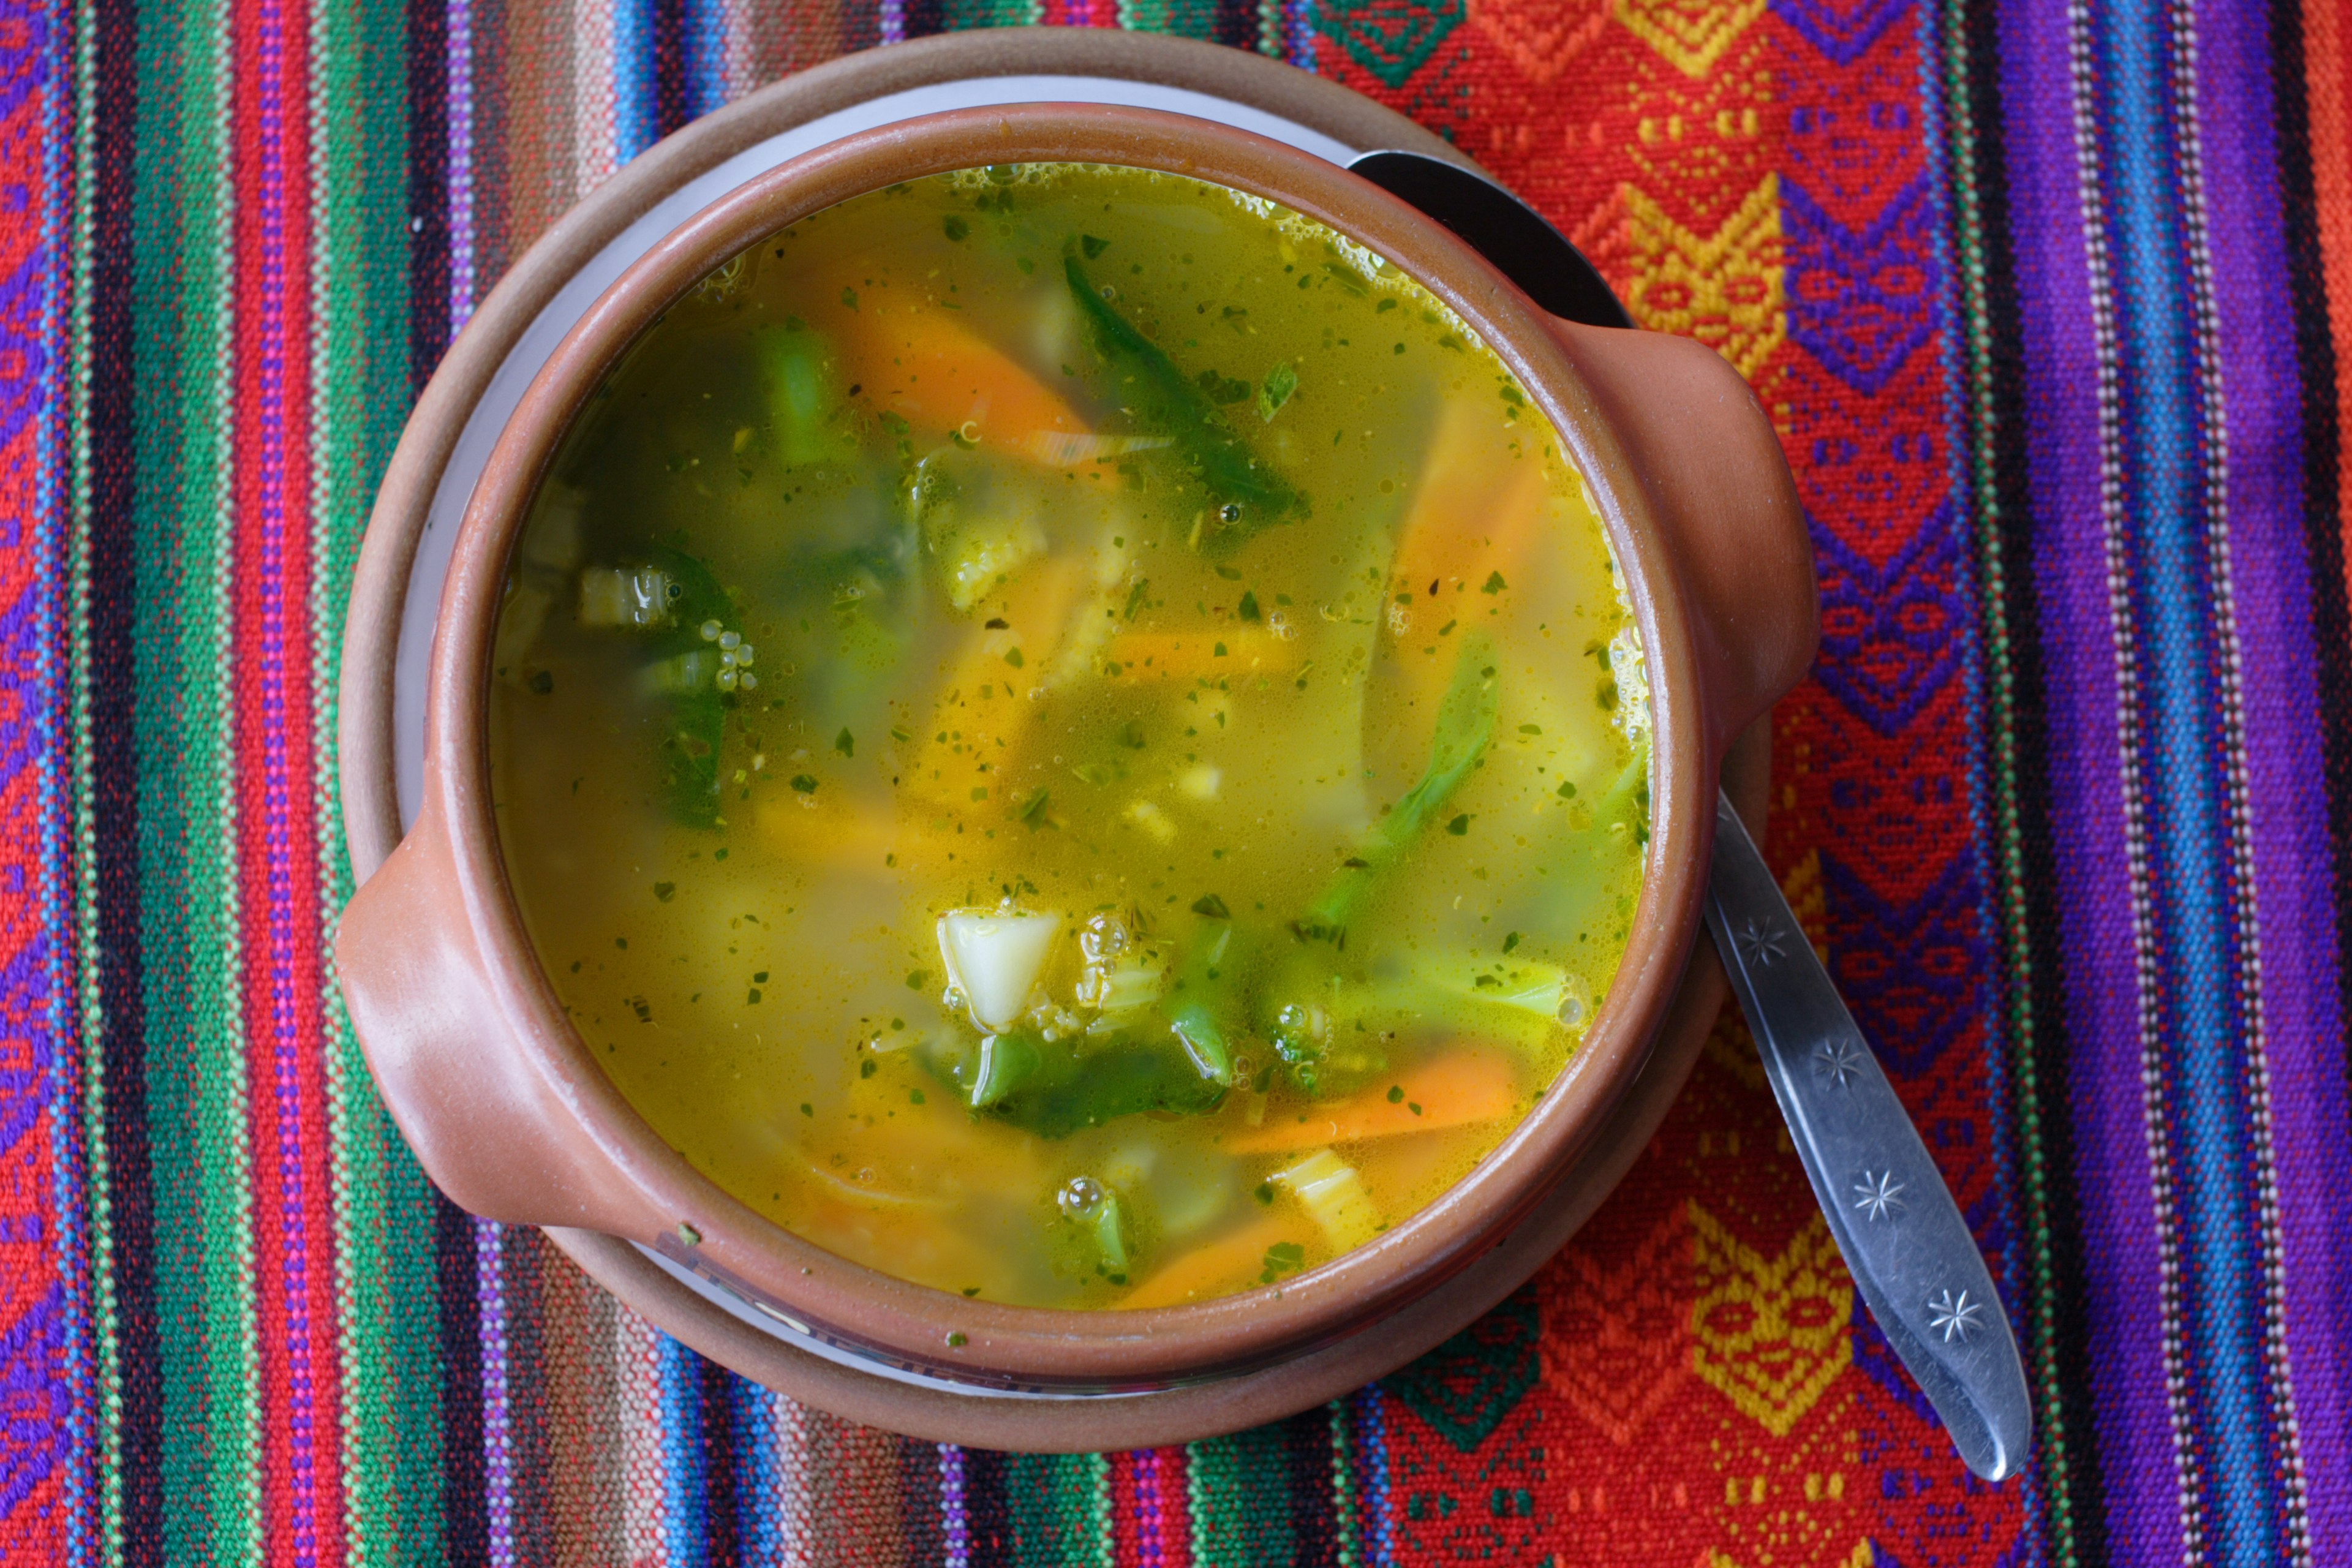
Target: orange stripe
(2324, 26)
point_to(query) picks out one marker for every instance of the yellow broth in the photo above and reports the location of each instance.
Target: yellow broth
(1069, 735)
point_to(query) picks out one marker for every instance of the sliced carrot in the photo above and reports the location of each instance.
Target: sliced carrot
(928, 367)
(1456, 1089)
(831, 834)
(1472, 517)
(1189, 656)
(1218, 1265)
(986, 705)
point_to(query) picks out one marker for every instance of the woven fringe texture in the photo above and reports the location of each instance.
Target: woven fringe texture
(2052, 304)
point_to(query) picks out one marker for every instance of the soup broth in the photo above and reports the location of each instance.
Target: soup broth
(1069, 735)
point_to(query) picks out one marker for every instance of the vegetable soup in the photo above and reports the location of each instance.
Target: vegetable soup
(1070, 735)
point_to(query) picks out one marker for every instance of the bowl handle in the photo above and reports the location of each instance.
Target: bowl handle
(481, 1117)
(1720, 487)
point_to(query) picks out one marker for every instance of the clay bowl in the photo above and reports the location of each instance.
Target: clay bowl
(509, 1113)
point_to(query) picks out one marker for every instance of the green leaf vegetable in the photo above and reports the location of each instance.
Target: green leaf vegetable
(683, 672)
(1246, 494)
(1054, 1089)
(1465, 723)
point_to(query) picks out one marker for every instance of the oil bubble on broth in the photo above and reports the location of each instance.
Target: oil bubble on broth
(1070, 735)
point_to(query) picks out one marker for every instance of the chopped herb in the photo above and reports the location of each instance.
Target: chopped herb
(1092, 247)
(1212, 906)
(1493, 583)
(1248, 610)
(1013, 658)
(542, 681)
(1511, 942)
(1276, 390)
(955, 227)
(665, 891)
(919, 979)
(1567, 790)
(957, 1340)
(1396, 1094)
(1223, 390)
(1035, 807)
(846, 743)
(1283, 1258)
(804, 783)
(1459, 825)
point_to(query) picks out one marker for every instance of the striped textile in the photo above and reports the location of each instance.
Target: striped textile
(2052, 302)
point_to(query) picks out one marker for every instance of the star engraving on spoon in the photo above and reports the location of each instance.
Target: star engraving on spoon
(1955, 1317)
(1761, 942)
(1839, 1060)
(1879, 1195)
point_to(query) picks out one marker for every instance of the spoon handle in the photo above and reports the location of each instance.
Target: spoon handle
(1904, 1243)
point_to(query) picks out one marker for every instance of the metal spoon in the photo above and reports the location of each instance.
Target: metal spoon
(1904, 1243)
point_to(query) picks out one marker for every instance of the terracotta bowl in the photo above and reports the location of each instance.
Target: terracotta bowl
(511, 1114)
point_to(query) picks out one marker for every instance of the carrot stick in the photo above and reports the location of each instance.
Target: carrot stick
(1215, 1266)
(932, 369)
(1452, 1091)
(1473, 515)
(1186, 656)
(985, 708)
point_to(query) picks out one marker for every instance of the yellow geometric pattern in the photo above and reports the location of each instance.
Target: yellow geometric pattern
(1860, 1557)
(1690, 34)
(1803, 887)
(1770, 1331)
(1726, 289)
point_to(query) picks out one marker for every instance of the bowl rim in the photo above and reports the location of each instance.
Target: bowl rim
(999, 1344)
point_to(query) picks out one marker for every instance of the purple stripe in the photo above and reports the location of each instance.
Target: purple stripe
(953, 1526)
(75, 1446)
(461, 163)
(2116, 1219)
(286, 1008)
(489, 1294)
(2288, 807)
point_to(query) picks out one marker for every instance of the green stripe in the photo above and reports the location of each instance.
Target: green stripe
(1058, 1506)
(385, 1279)
(106, 1347)
(1241, 1500)
(183, 740)
(1343, 1486)
(959, 16)
(1983, 497)
(1184, 18)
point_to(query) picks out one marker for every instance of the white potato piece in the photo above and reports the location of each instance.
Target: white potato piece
(995, 959)
(1330, 1191)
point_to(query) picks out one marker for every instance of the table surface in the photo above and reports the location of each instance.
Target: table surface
(2053, 311)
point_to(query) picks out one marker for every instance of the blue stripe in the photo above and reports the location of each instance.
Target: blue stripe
(1372, 1443)
(636, 125)
(682, 1451)
(705, 47)
(2181, 762)
(759, 1522)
